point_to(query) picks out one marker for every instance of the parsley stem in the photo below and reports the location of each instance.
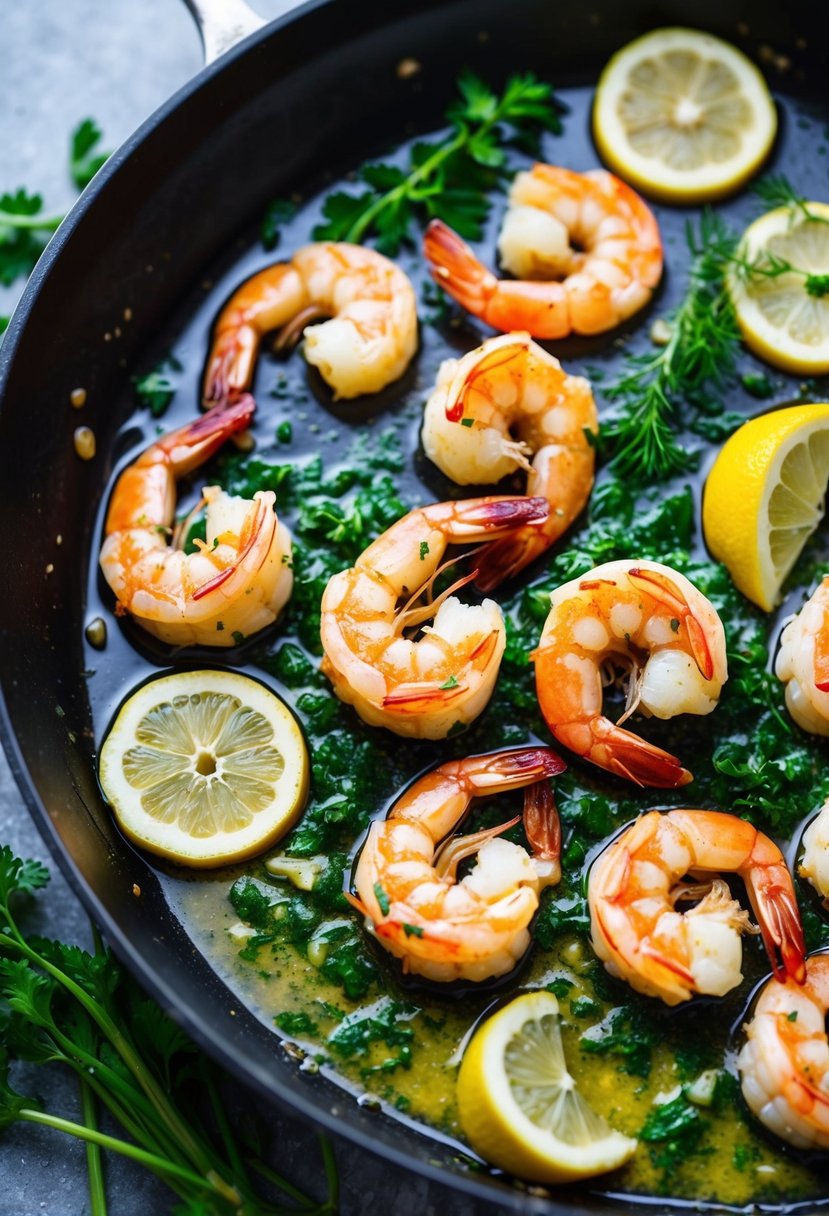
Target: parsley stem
(421, 173)
(157, 1164)
(35, 222)
(94, 1165)
(162, 1106)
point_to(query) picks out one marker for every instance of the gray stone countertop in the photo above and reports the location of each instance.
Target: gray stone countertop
(116, 61)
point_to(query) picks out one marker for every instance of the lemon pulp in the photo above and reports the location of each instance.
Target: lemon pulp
(204, 767)
(683, 115)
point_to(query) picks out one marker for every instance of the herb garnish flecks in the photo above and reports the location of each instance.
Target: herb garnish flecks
(447, 179)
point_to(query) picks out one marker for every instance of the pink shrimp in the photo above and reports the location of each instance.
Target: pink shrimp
(636, 882)
(649, 620)
(236, 582)
(407, 885)
(557, 289)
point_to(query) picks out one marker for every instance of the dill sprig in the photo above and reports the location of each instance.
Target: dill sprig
(701, 349)
(776, 191)
(447, 179)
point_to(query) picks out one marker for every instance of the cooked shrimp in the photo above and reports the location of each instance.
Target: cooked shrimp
(239, 579)
(407, 886)
(368, 342)
(650, 621)
(814, 864)
(584, 249)
(422, 687)
(784, 1065)
(490, 412)
(636, 882)
(803, 663)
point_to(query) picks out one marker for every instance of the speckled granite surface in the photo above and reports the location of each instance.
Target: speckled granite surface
(117, 61)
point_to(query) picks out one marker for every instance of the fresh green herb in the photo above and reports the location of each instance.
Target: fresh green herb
(238, 637)
(382, 899)
(24, 233)
(279, 212)
(584, 1007)
(284, 432)
(447, 179)
(66, 1007)
(467, 421)
(744, 1155)
(387, 1022)
(674, 1131)
(701, 350)
(792, 1017)
(296, 1023)
(452, 682)
(424, 550)
(560, 987)
(626, 1033)
(412, 930)
(4, 324)
(84, 161)
(776, 190)
(156, 390)
(758, 384)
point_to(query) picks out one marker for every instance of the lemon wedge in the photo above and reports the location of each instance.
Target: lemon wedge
(204, 767)
(783, 318)
(683, 116)
(519, 1106)
(765, 496)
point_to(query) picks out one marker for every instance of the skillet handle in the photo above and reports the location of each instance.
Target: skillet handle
(223, 23)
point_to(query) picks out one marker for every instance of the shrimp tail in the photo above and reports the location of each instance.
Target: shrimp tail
(193, 444)
(503, 559)
(781, 928)
(541, 821)
(478, 514)
(623, 753)
(455, 268)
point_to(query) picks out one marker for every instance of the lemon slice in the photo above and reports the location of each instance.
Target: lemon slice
(204, 767)
(683, 116)
(519, 1106)
(765, 496)
(782, 321)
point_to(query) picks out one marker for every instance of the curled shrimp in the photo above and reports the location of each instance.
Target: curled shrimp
(784, 1064)
(636, 883)
(444, 678)
(368, 342)
(490, 412)
(584, 249)
(650, 622)
(803, 663)
(408, 888)
(238, 580)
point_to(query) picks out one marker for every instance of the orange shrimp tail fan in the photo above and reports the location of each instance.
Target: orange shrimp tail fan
(782, 932)
(455, 268)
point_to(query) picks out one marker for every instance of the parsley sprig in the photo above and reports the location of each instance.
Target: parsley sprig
(24, 230)
(62, 1005)
(701, 349)
(447, 179)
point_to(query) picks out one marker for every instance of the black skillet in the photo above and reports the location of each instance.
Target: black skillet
(315, 89)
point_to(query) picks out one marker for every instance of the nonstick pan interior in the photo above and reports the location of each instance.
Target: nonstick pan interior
(314, 91)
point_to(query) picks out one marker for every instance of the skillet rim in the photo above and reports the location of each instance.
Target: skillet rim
(489, 1187)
